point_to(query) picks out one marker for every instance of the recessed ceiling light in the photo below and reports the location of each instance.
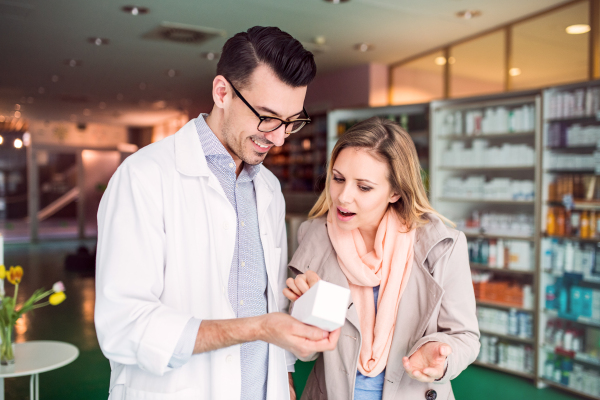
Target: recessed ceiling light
(18, 143)
(1, 138)
(320, 40)
(98, 41)
(172, 73)
(363, 47)
(2, 119)
(336, 1)
(134, 10)
(17, 114)
(440, 60)
(468, 14)
(73, 63)
(577, 29)
(210, 55)
(514, 71)
(54, 78)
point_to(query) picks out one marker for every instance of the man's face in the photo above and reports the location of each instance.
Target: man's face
(269, 96)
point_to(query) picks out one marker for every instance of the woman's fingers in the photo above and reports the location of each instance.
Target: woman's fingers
(290, 295)
(291, 282)
(301, 283)
(312, 278)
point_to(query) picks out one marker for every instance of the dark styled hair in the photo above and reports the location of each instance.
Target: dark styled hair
(241, 54)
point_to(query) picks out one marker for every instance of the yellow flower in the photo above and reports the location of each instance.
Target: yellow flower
(15, 274)
(57, 298)
(2, 271)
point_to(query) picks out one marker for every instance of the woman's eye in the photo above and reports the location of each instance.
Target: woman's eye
(364, 188)
(338, 179)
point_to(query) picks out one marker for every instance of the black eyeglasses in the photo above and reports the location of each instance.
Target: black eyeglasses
(269, 124)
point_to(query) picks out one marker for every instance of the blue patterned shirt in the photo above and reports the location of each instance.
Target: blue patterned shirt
(247, 288)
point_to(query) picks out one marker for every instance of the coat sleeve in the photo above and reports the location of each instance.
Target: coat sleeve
(457, 320)
(133, 326)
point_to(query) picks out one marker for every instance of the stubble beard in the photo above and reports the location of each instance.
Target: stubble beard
(236, 145)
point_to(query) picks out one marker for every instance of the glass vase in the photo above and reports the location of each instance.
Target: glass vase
(7, 354)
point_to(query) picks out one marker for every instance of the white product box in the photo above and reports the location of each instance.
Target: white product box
(324, 305)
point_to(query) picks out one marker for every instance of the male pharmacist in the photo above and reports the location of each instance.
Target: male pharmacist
(192, 243)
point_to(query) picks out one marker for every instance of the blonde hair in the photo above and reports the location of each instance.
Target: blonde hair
(388, 142)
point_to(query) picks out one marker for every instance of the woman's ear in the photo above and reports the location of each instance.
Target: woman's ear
(394, 197)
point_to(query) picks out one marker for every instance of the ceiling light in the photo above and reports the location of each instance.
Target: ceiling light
(451, 60)
(17, 107)
(18, 143)
(577, 29)
(440, 60)
(172, 73)
(514, 71)
(102, 105)
(98, 41)
(73, 63)
(133, 10)
(1, 140)
(2, 118)
(468, 14)
(17, 114)
(363, 47)
(320, 40)
(87, 112)
(54, 78)
(27, 139)
(211, 55)
(336, 1)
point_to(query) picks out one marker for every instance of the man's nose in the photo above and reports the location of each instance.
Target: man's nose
(277, 137)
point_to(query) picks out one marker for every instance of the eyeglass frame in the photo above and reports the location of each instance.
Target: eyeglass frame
(306, 120)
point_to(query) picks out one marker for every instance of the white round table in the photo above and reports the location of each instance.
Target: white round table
(33, 358)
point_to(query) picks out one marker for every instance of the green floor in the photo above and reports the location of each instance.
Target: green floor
(87, 378)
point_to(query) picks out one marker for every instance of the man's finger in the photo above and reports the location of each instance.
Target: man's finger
(312, 278)
(309, 332)
(290, 295)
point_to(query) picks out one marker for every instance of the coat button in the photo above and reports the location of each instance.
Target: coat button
(431, 395)
(229, 359)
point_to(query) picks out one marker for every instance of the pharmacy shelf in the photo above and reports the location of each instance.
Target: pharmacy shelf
(573, 149)
(502, 369)
(488, 201)
(578, 276)
(568, 389)
(474, 235)
(577, 356)
(574, 238)
(507, 337)
(579, 320)
(502, 306)
(490, 168)
(505, 271)
(586, 118)
(487, 136)
(582, 205)
(569, 171)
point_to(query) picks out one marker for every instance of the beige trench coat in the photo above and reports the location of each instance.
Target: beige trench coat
(438, 304)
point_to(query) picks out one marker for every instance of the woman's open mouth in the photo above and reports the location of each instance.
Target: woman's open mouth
(344, 215)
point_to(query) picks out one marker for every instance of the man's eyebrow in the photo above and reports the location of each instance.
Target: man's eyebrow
(275, 114)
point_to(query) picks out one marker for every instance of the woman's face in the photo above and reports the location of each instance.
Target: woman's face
(360, 190)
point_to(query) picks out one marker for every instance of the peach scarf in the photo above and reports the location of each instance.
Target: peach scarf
(388, 265)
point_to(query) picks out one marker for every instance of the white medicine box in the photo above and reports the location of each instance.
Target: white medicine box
(324, 305)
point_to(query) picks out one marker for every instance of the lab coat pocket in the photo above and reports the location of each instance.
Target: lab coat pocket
(185, 394)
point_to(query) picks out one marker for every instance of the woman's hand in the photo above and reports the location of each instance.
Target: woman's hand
(297, 287)
(291, 383)
(428, 363)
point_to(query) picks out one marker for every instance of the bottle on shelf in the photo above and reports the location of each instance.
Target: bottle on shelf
(560, 222)
(551, 222)
(585, 225)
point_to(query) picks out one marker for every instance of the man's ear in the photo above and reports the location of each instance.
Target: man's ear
(220, 91)
(394, 198)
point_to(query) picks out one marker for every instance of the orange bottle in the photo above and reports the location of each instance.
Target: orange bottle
(551, 222)
(593, 223)
(584, 233)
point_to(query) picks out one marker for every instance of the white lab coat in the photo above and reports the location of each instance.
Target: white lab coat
(166, 235)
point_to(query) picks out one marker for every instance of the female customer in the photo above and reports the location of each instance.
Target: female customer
(411, 325)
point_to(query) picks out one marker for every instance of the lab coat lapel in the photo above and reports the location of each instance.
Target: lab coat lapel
(264, 196)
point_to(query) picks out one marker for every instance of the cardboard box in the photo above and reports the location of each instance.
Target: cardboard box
(324, 305)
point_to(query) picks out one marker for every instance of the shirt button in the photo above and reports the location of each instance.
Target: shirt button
(241, 302)
(243, 263)
(231, 165)
(229, 359)
(225, 225)
(243, 224)
(223, 287)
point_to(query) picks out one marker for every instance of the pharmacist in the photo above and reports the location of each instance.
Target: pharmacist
(192, 244)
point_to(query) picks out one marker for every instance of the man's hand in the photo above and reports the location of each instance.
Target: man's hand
(292, 390)
(297, 287)
(292, 335)
(428, 363)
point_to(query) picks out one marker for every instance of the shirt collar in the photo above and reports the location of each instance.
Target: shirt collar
(212, 146)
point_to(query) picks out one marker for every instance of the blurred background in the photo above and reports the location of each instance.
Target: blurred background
(500, 98)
